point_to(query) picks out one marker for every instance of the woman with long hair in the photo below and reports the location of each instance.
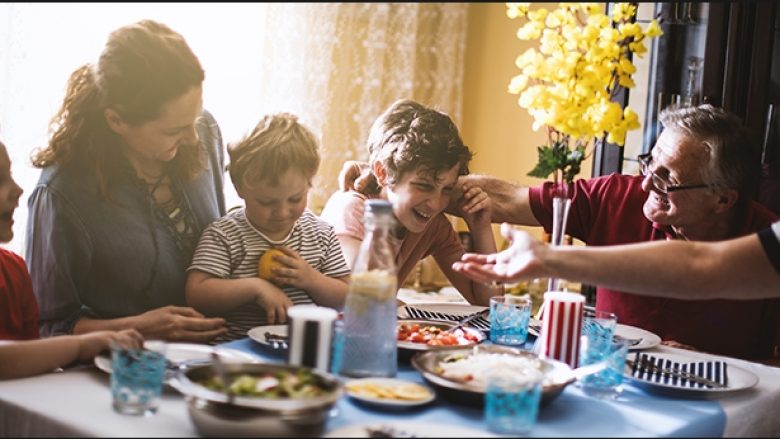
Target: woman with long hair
(132, 173)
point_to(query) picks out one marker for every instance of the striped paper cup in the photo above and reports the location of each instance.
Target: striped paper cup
(561, 326)
(310, 331)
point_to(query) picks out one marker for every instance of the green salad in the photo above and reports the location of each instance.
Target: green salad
(282, 384)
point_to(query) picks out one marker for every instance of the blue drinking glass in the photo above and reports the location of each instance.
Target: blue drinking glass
(512, 402)
(509, 317)
(608, 383)
(137, 377)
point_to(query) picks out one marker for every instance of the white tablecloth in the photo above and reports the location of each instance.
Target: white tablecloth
(77, 402)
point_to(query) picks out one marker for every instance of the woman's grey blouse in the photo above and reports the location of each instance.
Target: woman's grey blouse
(89, 257)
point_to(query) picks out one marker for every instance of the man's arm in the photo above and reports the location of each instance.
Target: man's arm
(510, 203)
(735, 269)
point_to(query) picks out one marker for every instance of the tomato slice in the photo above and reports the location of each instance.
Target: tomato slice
(416, 337)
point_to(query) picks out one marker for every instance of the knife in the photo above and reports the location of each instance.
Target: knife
(645, 365)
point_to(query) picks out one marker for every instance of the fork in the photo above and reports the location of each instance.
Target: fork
(468, 319)
(631, 341)
(277, 341)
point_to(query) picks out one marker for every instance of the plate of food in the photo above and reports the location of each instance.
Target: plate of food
(460, 374)
(421, 335)
(179, 354)
(686, 374)
(258, 399)
(389, 392)
(272, 337)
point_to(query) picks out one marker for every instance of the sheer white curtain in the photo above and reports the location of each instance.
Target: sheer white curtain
(335, 65)
(356, 59)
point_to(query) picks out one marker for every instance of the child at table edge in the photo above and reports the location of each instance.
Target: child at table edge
(22, 353)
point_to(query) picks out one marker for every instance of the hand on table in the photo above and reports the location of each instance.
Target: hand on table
(93, 343)
(179, 323)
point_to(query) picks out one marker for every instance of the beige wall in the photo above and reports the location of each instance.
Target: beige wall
(493, 125)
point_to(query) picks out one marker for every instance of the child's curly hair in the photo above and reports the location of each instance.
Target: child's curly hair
(409, 135)
(278, 142)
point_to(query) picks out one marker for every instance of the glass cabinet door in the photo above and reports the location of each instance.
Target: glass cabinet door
(671, 73)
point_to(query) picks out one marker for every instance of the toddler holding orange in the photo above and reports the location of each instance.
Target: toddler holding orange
(271, 169)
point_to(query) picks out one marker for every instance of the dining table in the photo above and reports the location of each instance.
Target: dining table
(76, 402)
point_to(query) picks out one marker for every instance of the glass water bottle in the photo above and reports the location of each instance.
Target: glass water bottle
(369, 348)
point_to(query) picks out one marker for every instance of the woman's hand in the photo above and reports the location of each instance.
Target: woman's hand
(178, 323)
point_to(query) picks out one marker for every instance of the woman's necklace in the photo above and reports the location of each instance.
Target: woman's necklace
(159, 186)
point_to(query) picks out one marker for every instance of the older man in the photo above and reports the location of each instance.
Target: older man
(696, 185)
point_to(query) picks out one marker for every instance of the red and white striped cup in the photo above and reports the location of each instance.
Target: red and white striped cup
(561, 326)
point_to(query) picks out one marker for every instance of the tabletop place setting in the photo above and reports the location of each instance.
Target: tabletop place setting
(450, 372)
(484, 359)
(497, 360)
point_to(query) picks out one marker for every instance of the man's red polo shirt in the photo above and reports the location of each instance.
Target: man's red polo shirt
(608, 210)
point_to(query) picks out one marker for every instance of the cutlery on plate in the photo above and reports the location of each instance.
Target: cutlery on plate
(469, 319)
(631, 341)
(276, 341)
(479, 321)
(643, 365)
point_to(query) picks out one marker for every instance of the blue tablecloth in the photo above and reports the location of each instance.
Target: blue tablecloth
(634, 413)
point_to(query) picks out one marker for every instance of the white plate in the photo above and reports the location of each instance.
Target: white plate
(738, 379)
(649, 340)
(397, 428)
(180, 352)
(258, 334)
(388, 402)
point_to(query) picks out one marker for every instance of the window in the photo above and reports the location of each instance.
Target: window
(335, 65)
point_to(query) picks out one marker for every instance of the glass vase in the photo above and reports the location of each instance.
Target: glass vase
(561, 203)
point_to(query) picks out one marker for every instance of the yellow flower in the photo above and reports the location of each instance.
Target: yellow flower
(530, 31)
(653, 30)
(623, 12)
(538, 15)
(515, 10)
(628, 30)
(518, 84)
(567, 82)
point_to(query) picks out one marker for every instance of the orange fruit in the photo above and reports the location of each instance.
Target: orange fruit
(267, 263)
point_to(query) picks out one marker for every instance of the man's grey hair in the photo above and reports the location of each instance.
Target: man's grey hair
(734, 157)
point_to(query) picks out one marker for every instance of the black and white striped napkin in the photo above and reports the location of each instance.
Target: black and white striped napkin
(480, 322)
(712, 370)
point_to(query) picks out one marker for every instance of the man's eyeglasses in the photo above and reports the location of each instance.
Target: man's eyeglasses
(659, 183)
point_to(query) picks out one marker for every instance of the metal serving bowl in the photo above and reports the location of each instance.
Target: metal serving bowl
(215, 414)
(557, 375)
(406, 349)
